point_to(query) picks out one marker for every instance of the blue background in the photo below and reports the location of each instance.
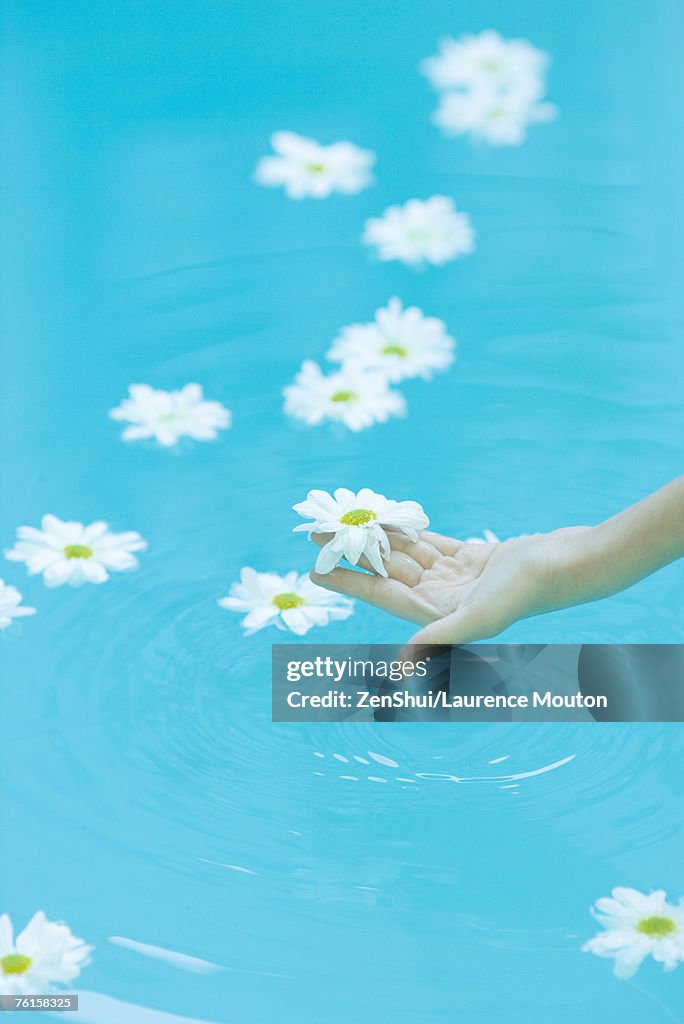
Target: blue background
(135, 740)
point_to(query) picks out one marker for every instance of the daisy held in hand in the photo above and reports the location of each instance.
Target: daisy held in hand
(305, 168)
(637, 926)
(291, 602)
(167, 416)
(358, 524)
(402, 343)
(44, 953)
(68, 552)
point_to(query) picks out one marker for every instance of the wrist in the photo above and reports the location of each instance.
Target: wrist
(574, 572)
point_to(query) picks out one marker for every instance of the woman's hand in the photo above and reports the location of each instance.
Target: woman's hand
(462, 592)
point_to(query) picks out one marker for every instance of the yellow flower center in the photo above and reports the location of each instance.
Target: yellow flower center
(15, 963)
(343, 396)
(285, 601)
(358, 517)
(656, 927)
(395, 350)
(78, 551)
(315, 168)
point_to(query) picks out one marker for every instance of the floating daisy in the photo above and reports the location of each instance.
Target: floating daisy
(72, 553)
(45, 953)
(11, 606)
(169, 415)
(358, 523)
(500, 119)
(636, 926)
(488, 537)
(400, 342)
(355, 396)
(493, 87)
(305, 168)
(421, 231)
(290, 602)
(486, 61)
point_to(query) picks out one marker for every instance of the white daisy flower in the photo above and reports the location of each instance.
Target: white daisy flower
(290, 602)
(636, 926)
(355, 396)
(487, 538)
(170, 415)
(401, 342)
(494, 87)
(421, 231)
(11, 606)
(73, 553)
(487, 61)
(359, 523)
(305, 168)
(500, 119)
(45, 953)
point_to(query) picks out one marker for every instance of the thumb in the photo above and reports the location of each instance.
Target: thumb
(453, 630)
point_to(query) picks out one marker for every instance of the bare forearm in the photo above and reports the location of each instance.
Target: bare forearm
(607, 558)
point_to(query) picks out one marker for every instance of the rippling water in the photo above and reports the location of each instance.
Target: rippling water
(333, 873)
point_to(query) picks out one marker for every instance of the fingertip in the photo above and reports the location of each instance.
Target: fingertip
(318, 578)
(422, 649)
(320, 539)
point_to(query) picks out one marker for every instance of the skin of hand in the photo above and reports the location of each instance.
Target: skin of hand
(461, 592)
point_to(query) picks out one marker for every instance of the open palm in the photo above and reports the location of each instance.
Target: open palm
(458, 592)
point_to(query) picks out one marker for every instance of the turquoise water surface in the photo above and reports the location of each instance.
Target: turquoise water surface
(144, 791)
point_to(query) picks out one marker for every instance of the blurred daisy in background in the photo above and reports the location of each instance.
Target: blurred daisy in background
(421, 231)
(358, 523)
(305, 168)
(492, 88)
(167, 416)
(486, 60)
(499, 119)
(355, 396)
(11, 606)
(44, 953)
(403, 343)
(291, 602)
(636, 926)
(487, 538)
(69, 552)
